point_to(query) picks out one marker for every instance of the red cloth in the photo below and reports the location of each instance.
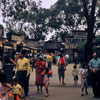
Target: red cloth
(52, 54)
(62, 61)
(39, 78)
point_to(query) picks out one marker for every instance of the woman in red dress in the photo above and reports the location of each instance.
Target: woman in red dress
(40, 65)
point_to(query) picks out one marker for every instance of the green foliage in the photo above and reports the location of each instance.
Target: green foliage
(65, 16)
(37, 22)
(81, 49)
(81, 53)
(41, 21)
(97, 39)
(1, 26)
(24, 15)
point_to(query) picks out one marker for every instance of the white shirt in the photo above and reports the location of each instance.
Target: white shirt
(67, 56)
(83, 71)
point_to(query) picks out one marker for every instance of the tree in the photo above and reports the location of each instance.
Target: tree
(97, 39)
(40, 28)
(66, 15)
(24, 15)
(75, 15)
(91, 30)
(2, 28)
(63, 17)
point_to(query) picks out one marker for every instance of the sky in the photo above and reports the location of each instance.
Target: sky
(47, 3)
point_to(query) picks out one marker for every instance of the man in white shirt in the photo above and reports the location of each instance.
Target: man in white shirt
(67, 59)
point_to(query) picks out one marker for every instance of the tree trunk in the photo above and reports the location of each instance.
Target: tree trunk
(90, 17)
(89, 45)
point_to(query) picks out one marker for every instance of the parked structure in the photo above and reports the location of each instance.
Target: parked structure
(53, 46)
(76, 37)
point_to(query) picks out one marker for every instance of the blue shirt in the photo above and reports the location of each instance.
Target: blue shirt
(95, 63)
(57, 57)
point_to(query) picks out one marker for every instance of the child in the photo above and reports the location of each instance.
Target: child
(17, 90)
(75, 74)
(47, 81)
(84, 84)
(4, 87)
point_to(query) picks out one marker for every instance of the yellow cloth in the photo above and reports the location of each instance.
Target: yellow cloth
(23, 65)
(49, 58)
(16, 89)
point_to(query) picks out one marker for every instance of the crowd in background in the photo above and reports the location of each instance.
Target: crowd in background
(42, 63)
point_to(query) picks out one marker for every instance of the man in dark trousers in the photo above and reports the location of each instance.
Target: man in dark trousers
(23, 72)
(94, 66)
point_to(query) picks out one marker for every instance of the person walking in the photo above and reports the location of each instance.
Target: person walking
(46, 81)
(39, 65)
(75, 74)
(23, 72)
(67, 59)
(84, 84)
(61, 68)
(94, 66)
(49, 61)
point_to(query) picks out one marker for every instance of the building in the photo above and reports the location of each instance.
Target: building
(2, 39)
(76, 37)
(15, 38)
(35, 46)
(52, 46)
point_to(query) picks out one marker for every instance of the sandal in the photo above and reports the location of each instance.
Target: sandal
(46, 95)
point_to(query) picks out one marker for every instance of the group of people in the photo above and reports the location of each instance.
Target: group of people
(21, 80)
(43, 67)
(84, 75)
(20, 83)
(42, 75)
(94, 67)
